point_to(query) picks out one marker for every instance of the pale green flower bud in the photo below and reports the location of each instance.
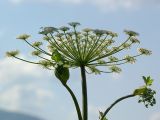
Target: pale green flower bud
(47, 30)
(12, 53)
(37, 44)
(87, 30)
(110, 41)
(64, 28)
(74, 24)
(46, 38)
(51, 48)
(92, 36)
(94, 70)
(115, 69)
(131, 33)
(133, 39)
(115, 48)
(144, 51)
(36, 53)
(126, 46)
(101, 61)
(113, 59)
(130, 59)
(46, 64)
(59, 35)
(23, 37)
(99, 32)
(113, 34)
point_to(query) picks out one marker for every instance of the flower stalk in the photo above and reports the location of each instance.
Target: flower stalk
(84, 94)
(75, 101)
(114, 103)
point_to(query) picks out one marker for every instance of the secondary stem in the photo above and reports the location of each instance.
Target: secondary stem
(75, 102)
(84, 94)
(113, 104)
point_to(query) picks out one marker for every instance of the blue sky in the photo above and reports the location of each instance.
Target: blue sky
(30, 89)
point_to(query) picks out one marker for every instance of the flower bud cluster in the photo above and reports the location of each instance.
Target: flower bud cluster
(12, 53)
(148, 98)
(144, 51)
(88, 47)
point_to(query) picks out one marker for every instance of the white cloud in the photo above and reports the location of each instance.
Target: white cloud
(25, 88)
(105, 5)
(12, 69)
(111, 5)
(155, 116)
(44, 1)
(16, 1)
(20, 95)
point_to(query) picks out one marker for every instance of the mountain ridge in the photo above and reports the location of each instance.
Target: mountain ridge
(10, 115)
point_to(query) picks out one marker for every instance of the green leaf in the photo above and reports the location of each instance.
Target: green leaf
(100, 116)
(140, 90)
(62, 73)
(148, 80)
(56, 56)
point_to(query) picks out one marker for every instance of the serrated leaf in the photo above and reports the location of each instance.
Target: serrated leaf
(62, 73)
(140, 90)
(148, 80)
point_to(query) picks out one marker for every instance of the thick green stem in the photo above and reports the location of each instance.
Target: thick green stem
(75, 102)
(113, 104)
(84, 94)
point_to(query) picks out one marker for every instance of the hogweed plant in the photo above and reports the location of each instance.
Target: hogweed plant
(89, 50)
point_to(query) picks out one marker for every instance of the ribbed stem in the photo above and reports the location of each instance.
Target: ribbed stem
(84, 94)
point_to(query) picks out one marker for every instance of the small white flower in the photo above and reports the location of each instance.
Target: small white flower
(115, 69)
(126, 46)
(23, 37)
(74, 24)
(36, 53)
(130, 59)
(133, 39)
(131, 33)
(12, 53)
(144, 51)
(47, 30)
(37, 44)
(64, 28)
(112, 59)
(87, 30)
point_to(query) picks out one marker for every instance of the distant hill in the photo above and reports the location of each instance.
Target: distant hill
(6, 115)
